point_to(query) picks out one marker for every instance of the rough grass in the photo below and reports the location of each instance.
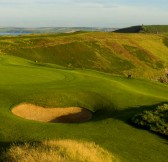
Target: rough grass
(58, 151)
(166, 41)
(155, 28)
(145, 55)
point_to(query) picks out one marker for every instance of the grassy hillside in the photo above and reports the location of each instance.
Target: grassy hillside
(142, 55)
(155, 28)
(87, 70)
(144, 29)
(131, 29)
(112, 99)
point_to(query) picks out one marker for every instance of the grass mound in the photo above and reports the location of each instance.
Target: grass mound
(64, 115)
(155, 120)
(58, 151)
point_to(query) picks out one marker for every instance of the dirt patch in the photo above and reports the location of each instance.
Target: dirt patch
(62, 115)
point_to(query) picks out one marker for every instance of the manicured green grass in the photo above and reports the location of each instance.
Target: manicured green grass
(113, 100)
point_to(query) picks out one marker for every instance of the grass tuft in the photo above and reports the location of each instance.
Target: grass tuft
(58, 151)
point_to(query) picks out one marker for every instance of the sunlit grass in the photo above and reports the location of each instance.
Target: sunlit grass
(58, 151)
(95, 50)
(79, 83)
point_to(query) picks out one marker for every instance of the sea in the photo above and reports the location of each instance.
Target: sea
(12, 34)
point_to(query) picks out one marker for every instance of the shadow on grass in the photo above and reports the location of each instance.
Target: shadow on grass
(6, 145)
(102, 114)
(126, 115)
(79, 117)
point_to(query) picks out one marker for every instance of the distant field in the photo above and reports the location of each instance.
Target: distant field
(87, 70)
(47, 30)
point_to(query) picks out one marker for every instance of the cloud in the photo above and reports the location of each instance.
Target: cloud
(86, 3)
(106, 13)
(95, 4)
(15, 2)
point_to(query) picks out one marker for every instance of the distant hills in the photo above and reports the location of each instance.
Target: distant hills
(47, 30)
(50, 30)
(144, 29)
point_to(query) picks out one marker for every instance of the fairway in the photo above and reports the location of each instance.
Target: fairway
(112, 99)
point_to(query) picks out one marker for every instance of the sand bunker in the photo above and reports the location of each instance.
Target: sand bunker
(62, 115)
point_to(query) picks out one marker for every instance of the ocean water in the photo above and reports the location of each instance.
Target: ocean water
(14, 34)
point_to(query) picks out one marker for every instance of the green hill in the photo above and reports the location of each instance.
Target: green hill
(144, 29)
(142, 55)
(155, 28)
(132, 29)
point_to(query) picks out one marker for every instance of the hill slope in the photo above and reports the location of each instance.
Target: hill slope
(142, 55)
(144, 29)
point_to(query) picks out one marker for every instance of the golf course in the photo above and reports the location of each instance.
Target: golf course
(83, 87)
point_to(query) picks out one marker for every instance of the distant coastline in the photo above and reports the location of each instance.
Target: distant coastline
(47, 30)
(11, 34)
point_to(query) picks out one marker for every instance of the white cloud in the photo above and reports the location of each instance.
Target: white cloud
(104, 13)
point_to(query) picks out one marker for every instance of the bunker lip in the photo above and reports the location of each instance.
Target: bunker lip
(53, 115)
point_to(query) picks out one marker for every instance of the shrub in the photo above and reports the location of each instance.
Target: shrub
(155, 120)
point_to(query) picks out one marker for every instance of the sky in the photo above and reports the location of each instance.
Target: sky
(82, 13)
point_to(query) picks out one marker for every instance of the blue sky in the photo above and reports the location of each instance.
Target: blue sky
(87, 13)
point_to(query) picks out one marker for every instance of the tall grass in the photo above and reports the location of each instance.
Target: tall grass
(58, 151)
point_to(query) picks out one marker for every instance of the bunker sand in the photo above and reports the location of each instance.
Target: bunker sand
(62, 115)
